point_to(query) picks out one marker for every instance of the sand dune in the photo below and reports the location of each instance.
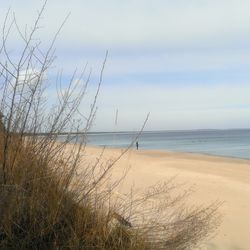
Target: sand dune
(213, 178)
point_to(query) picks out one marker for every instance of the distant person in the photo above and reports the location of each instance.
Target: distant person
(137, 145)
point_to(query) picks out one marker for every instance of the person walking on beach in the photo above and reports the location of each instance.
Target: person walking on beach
(137, 145)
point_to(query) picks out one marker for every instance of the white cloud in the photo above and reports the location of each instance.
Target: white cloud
(113, 23)
(167, 37)
(175, 107)
(173, 62)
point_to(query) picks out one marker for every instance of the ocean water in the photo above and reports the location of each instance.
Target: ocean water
(230, 143)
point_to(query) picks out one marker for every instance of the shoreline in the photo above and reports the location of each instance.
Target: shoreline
(213, 178)
(167, 151)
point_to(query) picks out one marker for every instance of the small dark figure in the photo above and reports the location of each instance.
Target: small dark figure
(137, 145)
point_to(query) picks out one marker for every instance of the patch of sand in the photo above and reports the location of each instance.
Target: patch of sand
(214, 178)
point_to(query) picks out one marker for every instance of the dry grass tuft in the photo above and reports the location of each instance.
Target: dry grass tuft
(39, 211)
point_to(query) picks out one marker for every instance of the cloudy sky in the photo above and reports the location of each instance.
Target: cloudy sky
(185, 62)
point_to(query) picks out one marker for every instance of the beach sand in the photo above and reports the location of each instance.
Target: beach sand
(213, 178)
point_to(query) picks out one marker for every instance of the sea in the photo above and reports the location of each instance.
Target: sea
(230, 143)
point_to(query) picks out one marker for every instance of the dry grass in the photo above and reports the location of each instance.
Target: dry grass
(38, 211)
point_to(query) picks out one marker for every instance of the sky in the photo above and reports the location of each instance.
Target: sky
(185, 62)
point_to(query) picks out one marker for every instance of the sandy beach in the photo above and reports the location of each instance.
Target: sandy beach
(212, 178)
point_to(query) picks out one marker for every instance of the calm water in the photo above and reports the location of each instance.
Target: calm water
(232, 143)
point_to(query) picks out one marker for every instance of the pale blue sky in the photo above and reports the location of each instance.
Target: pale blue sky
(185, 62)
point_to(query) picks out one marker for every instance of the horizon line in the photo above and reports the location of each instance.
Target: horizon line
(168, 130)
